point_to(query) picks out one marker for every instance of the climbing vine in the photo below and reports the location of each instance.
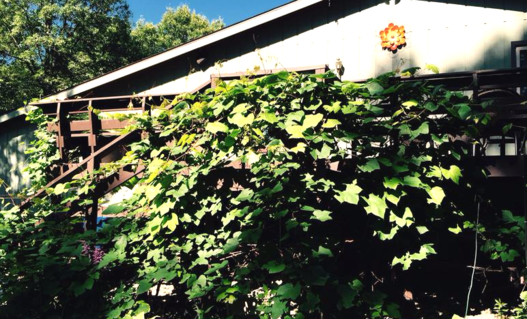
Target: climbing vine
(287, 196)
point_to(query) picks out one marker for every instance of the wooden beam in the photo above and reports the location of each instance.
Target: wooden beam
(71, 173)
(314, 69)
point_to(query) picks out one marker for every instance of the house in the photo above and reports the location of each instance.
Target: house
(354, 37)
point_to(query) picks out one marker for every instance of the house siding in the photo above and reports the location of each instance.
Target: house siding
(15, 138)
(453, 36)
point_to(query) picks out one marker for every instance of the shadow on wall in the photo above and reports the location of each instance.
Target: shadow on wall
(15, 137)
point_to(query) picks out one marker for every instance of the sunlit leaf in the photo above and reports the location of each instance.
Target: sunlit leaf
(216, 127)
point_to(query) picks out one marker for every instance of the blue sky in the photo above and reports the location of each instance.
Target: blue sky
(231, 11)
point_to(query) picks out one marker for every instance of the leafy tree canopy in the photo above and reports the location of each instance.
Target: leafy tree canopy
(177, 26)
(49, 45)
(289, 196)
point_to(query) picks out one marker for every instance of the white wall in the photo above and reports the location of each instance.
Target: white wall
(453, 37)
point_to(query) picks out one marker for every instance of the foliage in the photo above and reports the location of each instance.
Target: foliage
(177, 26)
(520, 312)
(288, 196)
(49, 45)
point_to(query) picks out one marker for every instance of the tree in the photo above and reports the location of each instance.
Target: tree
(345, 190)
(177, 26)
(49, 45)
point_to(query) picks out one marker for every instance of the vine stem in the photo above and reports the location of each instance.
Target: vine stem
(475, 262)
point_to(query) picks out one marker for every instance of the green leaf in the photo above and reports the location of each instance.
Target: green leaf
(312, 120)
(506, 128)
(166, 207)
(273, 267)
(121, 243)
(456, 230)
(239, 120)
(331, 123)
(278, 308)
(324, 251)
(295, 131)
(152, 191)
(431, 106)
(144, 286)
(216, 127)
(376, 205)
(454, 173)
(240, 108)
(410, 103)
(347, 296)
(410, 71)
(231, 245)
(295, 116)
(408, 258)
(172, 222)
(245, 195)
(423, 129)
(113, 209)
(108, 258)
(321, 215)
(269, 117)
(392, 183)
(412, 181)
(325, 152)
(509, 256)
(464, 111)
(432, 68)
(288, 291)
(392, 198)
(61, 189)
(436, 195)
(216, 267)
(370, 166)
(350, 194)
(333, 108)
(374, 88)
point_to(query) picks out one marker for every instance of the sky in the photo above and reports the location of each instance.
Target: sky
(231, 11)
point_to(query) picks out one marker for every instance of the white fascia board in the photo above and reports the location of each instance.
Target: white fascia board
(14, 114)
(186, 48)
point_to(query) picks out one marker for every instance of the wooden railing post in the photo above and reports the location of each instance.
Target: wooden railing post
(95, 128)
(475, 87)
(63, 135)
(146, 109)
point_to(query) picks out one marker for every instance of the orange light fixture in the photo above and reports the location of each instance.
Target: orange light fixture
(393, 38)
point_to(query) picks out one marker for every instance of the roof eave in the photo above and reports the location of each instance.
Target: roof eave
(14, 114)
(185, 48)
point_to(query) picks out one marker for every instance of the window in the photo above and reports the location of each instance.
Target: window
(519, 59)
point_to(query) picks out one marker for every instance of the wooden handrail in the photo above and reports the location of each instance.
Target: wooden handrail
(68, 175)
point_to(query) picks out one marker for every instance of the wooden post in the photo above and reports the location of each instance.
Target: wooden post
(475, 89)
(92, 213)
(95, 128)
(63, 135)
(146, 109)
(214, 81)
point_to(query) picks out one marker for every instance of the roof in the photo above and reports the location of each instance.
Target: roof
(219, 35)
(14, 114)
